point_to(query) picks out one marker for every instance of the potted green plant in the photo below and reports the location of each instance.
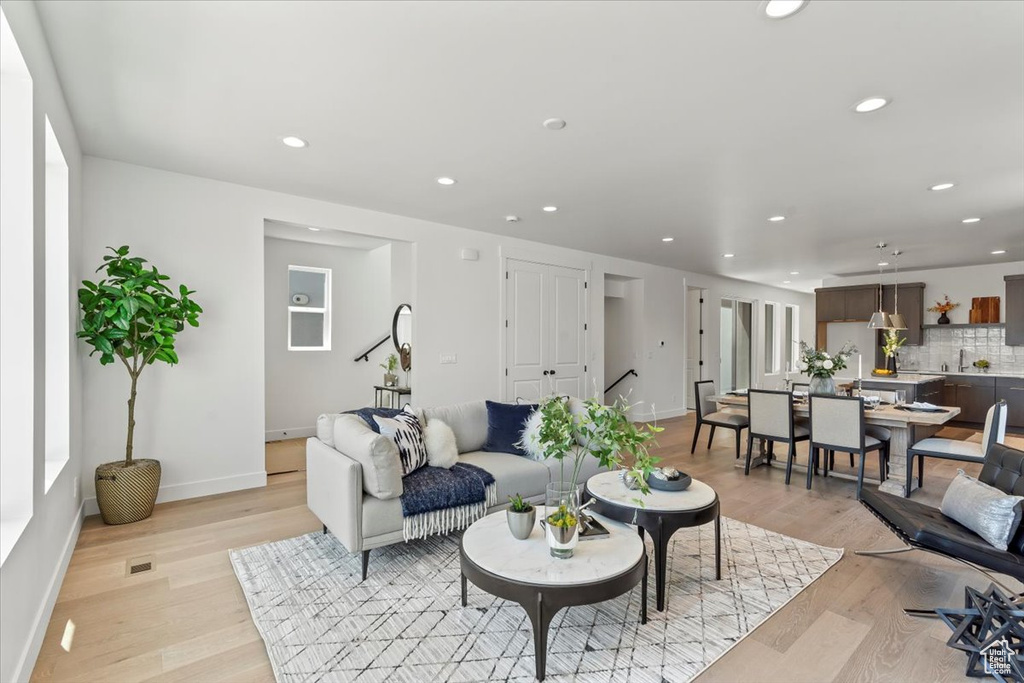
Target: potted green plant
(521, 516)
(594, 430)
(132, 316)
(893, 343)
(389, 365)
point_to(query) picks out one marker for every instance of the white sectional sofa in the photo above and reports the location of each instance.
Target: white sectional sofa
(354, 496)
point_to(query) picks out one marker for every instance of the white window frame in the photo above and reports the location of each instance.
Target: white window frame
(795, 333)
(776, 367)
(326, 310)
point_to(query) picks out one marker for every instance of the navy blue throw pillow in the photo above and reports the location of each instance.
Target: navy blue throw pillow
(505, 426)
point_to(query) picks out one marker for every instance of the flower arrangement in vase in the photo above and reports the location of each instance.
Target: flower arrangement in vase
(893, 343)
(592, 430)
(942, 308)
(821, 366)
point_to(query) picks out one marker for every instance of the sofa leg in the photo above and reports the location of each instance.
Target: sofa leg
(366, 562)
(325, 529)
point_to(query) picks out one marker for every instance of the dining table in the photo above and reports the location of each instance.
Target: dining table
(907, 426)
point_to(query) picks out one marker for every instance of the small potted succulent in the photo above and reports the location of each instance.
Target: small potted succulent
(389, 365)
(521, 517)
(982, 364)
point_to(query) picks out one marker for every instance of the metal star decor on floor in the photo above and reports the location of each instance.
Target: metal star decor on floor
(990, 629)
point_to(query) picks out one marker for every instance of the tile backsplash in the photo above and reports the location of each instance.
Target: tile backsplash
(942, 345)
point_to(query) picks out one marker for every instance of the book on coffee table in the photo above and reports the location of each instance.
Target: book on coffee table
(593, 529)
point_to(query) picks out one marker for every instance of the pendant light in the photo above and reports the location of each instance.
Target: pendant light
(880, 319)
(896, 320)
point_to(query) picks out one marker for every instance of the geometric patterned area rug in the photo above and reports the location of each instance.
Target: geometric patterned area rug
(406, 623)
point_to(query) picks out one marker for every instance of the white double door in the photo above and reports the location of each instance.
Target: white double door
(545, 335)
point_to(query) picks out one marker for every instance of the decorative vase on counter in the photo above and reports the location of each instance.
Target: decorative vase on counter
(561, 516)
(822, 386)
(943, 319)
(890, 365)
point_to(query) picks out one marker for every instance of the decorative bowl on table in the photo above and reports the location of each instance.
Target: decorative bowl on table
(669, 479)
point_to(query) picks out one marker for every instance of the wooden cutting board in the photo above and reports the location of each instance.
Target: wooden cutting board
(984, 309)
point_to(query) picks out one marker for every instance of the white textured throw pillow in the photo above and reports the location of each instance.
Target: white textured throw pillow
(983, 509)
(407, 433)
(442, 450)
(531, 433)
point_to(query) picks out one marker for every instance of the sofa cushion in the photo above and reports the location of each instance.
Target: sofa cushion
(467, 420)
(505, 425)
(325, 428)
(514, 474)
(367, 414)
(381, 516)
(376, 454)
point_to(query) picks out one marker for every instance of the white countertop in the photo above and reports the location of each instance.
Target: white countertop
(491, 546)
(901, 378)
(608, 486)
(974, 373)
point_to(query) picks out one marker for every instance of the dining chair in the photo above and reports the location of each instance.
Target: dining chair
(708, 414)
(955, 449)
(771, 419)
(837, 424)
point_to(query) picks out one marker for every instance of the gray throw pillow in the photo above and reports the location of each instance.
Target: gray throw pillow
(983, 509)
(376, 454)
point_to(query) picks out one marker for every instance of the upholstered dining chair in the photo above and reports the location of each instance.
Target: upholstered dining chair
(881, 433)
(771, 419)
(708, 414)
(837, 424)
(954, 449)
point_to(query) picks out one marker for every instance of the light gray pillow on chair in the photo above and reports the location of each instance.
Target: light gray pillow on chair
(376, 453)
(983, 509)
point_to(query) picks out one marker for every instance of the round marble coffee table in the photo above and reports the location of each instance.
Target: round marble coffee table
(662, 514)
(525, 572)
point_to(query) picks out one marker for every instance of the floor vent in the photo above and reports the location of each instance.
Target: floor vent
(139, 565)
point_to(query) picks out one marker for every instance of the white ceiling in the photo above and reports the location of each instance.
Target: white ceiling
(293, 232)
(697, 120)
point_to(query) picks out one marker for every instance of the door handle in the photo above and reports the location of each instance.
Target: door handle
(552, 372)
(546, 373)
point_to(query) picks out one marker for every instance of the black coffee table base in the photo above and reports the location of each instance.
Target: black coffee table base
(542, 602)
(661, 524)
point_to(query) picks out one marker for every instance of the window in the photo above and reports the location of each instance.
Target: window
(58, 312)
(791, 337)
(17, 361)
(735, 343)
(309, 309)
(771, 345)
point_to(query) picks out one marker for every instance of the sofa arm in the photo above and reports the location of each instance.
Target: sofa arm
(334, 492)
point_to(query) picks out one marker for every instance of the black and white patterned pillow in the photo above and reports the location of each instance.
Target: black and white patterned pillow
(407, 433)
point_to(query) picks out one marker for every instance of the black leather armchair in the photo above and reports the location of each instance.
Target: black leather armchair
(923, 527)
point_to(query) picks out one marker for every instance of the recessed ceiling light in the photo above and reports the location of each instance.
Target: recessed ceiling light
(550, 209)
(554, 124)
(785, 282)
(866, 106)
(970, 220)
(997, 252)
(314, 229)
(882, 264)
(445, 180)
(667, 239)
(780, 9)
(794, 272)
(511, 219)
(728, 255)
(777, 219)
(940, 187)
(295, 142)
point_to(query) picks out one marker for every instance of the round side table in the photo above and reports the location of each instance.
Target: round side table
(662, 514)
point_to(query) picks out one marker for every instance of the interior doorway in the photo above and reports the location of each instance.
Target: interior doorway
(737, 318)
(694, 342)
(623, 312)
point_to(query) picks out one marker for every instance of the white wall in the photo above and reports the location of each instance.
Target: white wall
(302, 384)
(187, 224)
(961, 284)
(31, 575)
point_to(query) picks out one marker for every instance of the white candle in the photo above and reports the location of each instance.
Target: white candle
(860, 366)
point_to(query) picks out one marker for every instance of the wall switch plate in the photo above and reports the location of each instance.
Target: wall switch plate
(449, 359)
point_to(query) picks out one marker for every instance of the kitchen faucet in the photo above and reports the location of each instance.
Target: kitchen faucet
(960, 366)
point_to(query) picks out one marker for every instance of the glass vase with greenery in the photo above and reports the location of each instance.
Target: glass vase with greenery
(821, 366)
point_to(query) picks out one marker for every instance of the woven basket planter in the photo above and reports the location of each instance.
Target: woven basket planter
(127, 494)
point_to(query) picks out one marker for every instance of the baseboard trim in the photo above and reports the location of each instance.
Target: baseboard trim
(42, 620)
(197, 489)
(648, 416)
(297, 433)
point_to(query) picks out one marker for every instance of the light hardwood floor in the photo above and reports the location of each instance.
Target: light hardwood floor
(187, 620)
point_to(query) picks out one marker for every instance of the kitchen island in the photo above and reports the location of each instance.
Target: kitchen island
(924, 388)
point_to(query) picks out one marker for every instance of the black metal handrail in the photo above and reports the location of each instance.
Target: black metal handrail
(624, 376)
(366, 356)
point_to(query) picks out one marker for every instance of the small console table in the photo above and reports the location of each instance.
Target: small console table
(389, 397)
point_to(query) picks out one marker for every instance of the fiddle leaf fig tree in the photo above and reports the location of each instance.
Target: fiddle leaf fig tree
(132, 316)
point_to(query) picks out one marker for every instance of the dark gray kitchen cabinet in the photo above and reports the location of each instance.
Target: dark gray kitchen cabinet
(974, 396)
(1011, 390)
(830, 305)
(845, 304)
(911, 306)
(1014, 310)
(861, 303)
(931, 392)
(949, 392)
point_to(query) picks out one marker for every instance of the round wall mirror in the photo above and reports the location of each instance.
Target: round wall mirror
(401, 335)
